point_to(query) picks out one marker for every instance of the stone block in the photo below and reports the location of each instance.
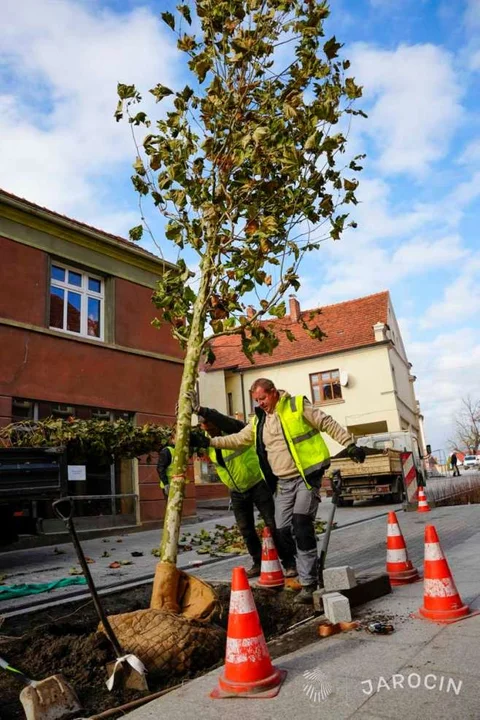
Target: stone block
(339, 578)
(336, 607)
(318, 600)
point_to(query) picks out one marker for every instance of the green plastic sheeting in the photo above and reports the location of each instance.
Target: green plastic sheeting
(7, 592)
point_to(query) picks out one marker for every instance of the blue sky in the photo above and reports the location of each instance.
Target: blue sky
(419, 63)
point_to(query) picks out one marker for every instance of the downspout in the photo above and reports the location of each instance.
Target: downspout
(243, 397)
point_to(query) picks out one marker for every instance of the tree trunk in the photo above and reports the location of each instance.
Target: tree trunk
(166, 580)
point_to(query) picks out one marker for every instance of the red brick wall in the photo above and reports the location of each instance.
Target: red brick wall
(23, 283)
(210, 491)
(5, 410)
(133, 324)
(57, 369)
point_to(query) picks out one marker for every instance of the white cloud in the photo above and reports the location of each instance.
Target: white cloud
(447, 371)
(461, 299)
(471, 154)
(60, 142)
(415, 103)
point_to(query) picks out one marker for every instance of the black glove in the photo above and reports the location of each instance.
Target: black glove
(201, 440)
(357, 454)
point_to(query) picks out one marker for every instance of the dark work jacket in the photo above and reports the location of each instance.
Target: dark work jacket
(226, 424)
(270, 478)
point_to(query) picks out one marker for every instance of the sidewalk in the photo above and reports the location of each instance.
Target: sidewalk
(423, 670)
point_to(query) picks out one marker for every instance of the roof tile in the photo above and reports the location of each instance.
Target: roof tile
(347, 325)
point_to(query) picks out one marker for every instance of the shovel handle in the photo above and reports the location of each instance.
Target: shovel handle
(68, 519)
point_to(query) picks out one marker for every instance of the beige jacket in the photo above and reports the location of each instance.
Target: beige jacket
(279, 458)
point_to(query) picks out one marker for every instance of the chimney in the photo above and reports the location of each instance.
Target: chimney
(294, 308)
(380, 331)
(250, 311)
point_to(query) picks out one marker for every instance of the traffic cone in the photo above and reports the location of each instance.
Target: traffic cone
(248, 670)
(399, 568)
(441, 601)
(271, 573)
(422, 501)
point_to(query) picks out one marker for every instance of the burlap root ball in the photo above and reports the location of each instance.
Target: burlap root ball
(168, 642)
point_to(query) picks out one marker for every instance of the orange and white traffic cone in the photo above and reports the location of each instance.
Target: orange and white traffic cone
(271, 573)
(399, 568)
(248, 670)
(441, 601)
(422, 501)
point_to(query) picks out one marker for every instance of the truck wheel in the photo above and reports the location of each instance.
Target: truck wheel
(397, 496)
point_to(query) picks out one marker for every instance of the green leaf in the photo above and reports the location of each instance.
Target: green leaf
(185, 11)
(136, 233)
(168, 18)
(160, 91)
(331, 48)
(353, 91)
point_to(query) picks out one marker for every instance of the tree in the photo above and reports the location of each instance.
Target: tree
(467, 426)
(246, 169)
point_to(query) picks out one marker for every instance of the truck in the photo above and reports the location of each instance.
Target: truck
(393, 460)
(28, 478)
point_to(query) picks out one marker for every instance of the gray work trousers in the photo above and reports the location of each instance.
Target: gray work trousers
(296, 507)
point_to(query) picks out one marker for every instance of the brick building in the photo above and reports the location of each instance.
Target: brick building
(76, 339)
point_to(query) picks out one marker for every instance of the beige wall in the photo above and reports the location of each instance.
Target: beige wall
(368, 398)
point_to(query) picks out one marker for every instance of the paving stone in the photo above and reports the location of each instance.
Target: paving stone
(339, 578)
(336, 607)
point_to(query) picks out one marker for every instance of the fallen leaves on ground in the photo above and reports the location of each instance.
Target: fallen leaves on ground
(75, 571)
(114, 565)
(56, 551)
(223, 540)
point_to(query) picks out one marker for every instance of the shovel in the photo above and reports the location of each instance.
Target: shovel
(49, 699)
(131, 667)
(336, 481)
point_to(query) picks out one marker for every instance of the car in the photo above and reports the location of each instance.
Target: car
(471, 461)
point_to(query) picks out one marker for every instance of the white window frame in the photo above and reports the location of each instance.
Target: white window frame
(84, 293)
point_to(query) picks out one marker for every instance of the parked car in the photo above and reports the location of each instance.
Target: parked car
(471, 461)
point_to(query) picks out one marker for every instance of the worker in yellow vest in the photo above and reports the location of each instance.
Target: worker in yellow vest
(286, 434)
(240, 471)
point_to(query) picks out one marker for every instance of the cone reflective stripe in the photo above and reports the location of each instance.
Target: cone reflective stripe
(422, 501)
(271, 573)
(399, 568)
(441, 600)
(248, 670)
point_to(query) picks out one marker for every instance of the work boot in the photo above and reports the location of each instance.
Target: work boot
(305, 596)
(290, 572)
(254, 571)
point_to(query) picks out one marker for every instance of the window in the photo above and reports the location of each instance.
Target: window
(230, 404)
(76, 302)
(326, 386)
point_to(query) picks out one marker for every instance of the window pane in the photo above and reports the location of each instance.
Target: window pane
(58, 273)
(326, 376)
(56, 307)
(327, 392)
(74, 278)
(335, 374)
(316, 394)
(94, 285)
(314, 379)
(73, 312)
(93, 322)
(337, 390)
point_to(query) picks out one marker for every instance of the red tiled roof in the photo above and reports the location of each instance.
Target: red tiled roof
(81, 225)
(347, 325)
